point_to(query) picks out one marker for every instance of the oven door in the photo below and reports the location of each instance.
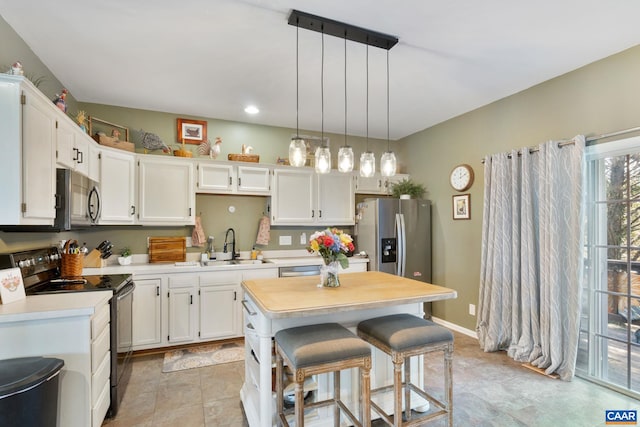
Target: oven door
(121, 343)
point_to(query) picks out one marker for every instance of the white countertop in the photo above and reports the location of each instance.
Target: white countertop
(278, 259)
(52, 306)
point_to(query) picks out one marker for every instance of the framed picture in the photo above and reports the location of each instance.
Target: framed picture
(462, 206)
(192, 131)
(11, 286)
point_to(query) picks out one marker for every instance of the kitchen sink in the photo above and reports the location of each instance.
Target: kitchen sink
(214, 263)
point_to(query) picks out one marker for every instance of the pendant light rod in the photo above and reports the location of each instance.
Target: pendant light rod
(322, 92)
(388, 101)
(297, 82)
(367, 98)
(345, 88)
(340, 29)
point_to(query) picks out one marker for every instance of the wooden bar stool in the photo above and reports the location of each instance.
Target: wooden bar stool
(319, 349)
(403, 336)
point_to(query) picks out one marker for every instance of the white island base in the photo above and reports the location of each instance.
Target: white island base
(257, 396)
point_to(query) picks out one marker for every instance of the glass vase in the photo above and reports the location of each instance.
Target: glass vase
(329, 275)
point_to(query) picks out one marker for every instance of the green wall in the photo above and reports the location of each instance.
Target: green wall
(599, 98)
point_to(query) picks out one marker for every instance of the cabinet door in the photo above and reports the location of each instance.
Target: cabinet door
(72, 147)
(166, 191)
(38, 151)
(253, 180)
(215, 178)
(117, 179)
(293, 197)
(370, 185)
(218, 311)
(146, 312)
(181, 314)
(94, 162)
(336, 199)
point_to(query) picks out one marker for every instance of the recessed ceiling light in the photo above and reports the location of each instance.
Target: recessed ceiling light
(251, 109)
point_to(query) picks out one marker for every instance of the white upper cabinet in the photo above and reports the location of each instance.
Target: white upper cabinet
(302, 197)
(72, 147)
(27, 143)
(215, 178)
(253, 180)
(229, 178)
(117, 187)
(166, 191)
(335, 202)
(293, 197)
(377, 184)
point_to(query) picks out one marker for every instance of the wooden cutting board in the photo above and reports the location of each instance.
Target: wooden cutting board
(167, 249)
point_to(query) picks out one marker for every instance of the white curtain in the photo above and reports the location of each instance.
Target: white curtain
(531, 265)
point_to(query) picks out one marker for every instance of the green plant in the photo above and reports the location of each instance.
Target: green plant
(125, 252)
(408, 186)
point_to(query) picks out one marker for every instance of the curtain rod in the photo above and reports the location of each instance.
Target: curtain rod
(565, 142)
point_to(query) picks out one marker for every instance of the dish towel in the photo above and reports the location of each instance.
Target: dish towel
(264, 231)
(197, 237)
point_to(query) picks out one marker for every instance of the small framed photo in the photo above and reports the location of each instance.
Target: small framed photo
(11, 286)
(192, 131)
(462, 206)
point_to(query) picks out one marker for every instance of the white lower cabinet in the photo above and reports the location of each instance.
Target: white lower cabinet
(147, 311)
(219, 298)
(182, 313)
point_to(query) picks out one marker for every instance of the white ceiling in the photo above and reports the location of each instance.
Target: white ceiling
(211, 58)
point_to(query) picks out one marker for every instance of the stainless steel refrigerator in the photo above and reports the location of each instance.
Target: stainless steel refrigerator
(396, 234)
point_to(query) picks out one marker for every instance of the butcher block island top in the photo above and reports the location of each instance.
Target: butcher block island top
(301, 296)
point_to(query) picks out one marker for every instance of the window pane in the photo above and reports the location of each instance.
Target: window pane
(616, 370)
(617, 223)
(635, 368)
(615, 177)
(634, 175)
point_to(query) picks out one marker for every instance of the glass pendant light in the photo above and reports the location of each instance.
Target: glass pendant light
(323, 154)
(388, 159)
(345, 154)
(298, 146)
(367, 159)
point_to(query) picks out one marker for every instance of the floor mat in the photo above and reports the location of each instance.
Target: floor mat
(204, 355)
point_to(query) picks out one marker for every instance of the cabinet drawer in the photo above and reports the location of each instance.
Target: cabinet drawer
(251, 338)
(99, 348)
(99, 321)
(182, 281)
(99, 410)
(221, 277)
(100, 378)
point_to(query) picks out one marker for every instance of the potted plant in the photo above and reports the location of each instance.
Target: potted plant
(407, 189)
(125, 256)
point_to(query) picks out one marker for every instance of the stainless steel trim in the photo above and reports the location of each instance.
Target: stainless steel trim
(247, 308)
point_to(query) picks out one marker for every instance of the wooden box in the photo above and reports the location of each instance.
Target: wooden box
(253, 158)
(167, 249)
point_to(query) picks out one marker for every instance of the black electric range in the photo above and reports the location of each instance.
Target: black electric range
(40, 269)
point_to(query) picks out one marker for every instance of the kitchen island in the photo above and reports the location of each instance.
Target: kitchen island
(274, 304)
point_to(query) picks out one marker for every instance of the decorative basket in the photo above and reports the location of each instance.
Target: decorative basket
(71, 265)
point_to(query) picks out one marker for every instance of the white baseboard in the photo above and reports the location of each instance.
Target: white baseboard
(453, 326)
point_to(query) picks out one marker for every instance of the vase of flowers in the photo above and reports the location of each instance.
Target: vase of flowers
(332, 245)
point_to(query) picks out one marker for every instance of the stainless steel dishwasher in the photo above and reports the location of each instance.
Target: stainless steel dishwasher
(299, 270)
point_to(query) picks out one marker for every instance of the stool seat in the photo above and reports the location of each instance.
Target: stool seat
(324, 343)
(402, 332)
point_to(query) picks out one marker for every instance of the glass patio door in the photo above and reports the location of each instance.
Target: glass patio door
(609, 351)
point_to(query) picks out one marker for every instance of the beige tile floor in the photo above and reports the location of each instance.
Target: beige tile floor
(490, 389)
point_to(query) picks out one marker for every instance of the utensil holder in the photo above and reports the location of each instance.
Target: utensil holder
(93, 260)
(71, 265)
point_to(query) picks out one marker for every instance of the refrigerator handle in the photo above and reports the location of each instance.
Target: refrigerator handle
(404, 246)
(400, 249)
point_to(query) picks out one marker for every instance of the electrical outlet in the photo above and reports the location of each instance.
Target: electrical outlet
(285, 240)
(472, 309)
(303, 239)
(189, 242)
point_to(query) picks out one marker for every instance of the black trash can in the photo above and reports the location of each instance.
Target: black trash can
(29, 391)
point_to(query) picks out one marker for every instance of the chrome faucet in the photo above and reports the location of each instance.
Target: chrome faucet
(234, 255)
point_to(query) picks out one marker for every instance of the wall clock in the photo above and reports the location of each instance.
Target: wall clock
(461, 177)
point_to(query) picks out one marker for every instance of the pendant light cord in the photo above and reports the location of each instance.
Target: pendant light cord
(367, 109)
(388, 100)
(322, 91)
(345, 88)
(297, 81)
